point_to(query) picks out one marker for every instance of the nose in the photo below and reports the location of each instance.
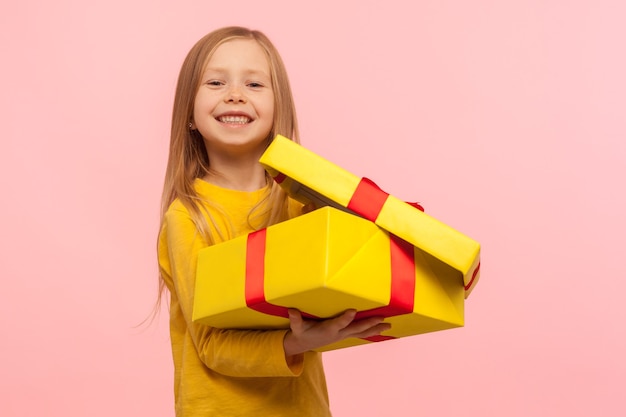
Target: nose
(235, 95)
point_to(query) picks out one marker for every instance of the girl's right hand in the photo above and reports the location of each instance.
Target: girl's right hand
(306, 335)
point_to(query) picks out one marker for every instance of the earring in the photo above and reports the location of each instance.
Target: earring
(190, 125)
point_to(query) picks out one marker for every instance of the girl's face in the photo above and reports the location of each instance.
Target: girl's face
(234, 106)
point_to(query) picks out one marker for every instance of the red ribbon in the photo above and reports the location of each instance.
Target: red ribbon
(402, 282)
(469, 284)
(255, 276)
(280, 177)
(368, 200)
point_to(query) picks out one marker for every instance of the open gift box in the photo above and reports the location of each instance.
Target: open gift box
(308, 177)
(323, 263)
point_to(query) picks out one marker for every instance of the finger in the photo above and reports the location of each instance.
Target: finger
(373, 331)
(295, 320)
(342, 321)
(359, 326)
(307, 208)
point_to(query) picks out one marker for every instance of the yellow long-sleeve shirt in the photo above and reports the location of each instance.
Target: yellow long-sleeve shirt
(228, 372)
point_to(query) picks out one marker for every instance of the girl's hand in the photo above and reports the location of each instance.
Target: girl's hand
(307, 335)
(307, 208)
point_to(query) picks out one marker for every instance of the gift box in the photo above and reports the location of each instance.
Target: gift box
(323, 263)
(308, 177)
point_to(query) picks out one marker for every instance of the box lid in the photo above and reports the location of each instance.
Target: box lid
(308, 177)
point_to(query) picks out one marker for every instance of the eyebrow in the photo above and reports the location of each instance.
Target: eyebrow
(246, 72)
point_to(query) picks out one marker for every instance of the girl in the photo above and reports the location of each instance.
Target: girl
(232, 98)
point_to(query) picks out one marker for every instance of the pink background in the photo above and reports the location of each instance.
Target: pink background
(505, 119)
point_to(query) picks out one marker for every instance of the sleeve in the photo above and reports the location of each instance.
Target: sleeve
(241, 353)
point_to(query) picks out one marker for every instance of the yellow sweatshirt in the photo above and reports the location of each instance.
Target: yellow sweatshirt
(220, 372)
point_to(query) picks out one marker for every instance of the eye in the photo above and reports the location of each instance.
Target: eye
(214, 83)
(255, 85)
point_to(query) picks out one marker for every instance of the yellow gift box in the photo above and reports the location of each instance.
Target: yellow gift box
(323, 263)
(308, 177)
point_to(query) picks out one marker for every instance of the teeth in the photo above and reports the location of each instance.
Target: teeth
(234, 119)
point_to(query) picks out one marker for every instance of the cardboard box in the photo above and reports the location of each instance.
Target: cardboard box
(323, 263)
(308, 177)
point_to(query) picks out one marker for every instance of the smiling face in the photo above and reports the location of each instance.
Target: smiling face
(234, 105)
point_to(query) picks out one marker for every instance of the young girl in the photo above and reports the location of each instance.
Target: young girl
(232, 98)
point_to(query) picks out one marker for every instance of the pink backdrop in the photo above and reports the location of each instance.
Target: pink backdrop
(505, 119)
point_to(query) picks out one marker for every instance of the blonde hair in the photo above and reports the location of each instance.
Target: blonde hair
(188, 158)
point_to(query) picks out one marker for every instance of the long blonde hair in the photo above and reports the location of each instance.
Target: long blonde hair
(188, 158)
